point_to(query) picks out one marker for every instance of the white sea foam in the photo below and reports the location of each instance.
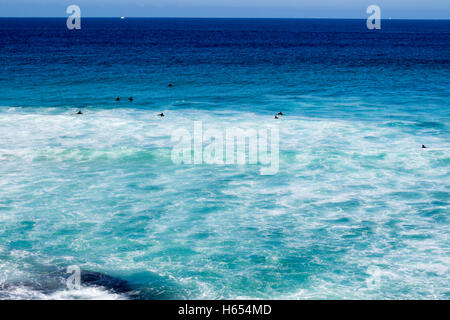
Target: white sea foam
(84, 293)
(350, 196)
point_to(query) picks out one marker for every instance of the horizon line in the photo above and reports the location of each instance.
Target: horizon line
(255, 18)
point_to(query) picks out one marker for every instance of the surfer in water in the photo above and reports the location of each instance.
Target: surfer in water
(79, 112)
(130, 99)
(117, 99)
(423, 146)
(170, 85)
(278, 115)
(161, 115)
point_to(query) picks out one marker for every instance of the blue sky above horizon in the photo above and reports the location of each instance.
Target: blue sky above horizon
(396, 9)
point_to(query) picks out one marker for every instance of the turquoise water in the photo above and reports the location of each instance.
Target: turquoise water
(357, 210)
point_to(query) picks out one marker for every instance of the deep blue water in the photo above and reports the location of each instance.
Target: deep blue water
(355, 195)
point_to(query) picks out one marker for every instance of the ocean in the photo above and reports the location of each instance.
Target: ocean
(357, 210)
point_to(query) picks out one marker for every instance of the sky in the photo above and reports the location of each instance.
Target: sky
(395, 9)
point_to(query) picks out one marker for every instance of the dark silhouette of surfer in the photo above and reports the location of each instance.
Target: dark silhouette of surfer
(117, 99)
(423, 146)
(130, 99)
(170, 85)
(79, 112)
(280, 113)
(161, 114)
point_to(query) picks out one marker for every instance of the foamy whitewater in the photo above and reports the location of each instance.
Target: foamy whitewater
(358, 210)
